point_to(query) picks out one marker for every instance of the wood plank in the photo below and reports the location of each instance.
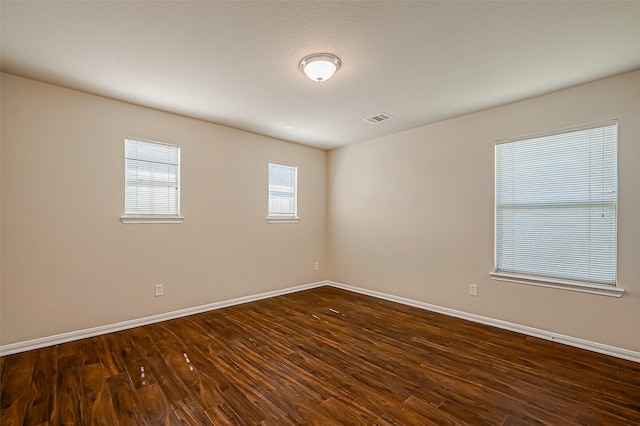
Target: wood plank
(68, 408)
(172, 386)
(191, 413)
(433, 414)
(126, 403)
(97, 408)
(16, 376)
(39, 409)
(205, 390)
(156, 408)
(344, 413)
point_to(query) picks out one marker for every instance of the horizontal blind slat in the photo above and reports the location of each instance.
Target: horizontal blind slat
(556, 205)
(151, 178)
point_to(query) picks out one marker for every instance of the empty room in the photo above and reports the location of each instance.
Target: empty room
(319, 212)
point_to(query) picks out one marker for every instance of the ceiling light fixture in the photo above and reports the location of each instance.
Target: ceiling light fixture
(320, 66)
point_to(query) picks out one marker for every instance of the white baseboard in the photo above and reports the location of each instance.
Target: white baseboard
(110, 328)
(124, 325)
(522, 329)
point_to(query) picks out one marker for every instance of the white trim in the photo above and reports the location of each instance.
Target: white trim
(58, 339)
(151, 219)
(603, 290)
(282, 219)
(124, 325)
(522, 329)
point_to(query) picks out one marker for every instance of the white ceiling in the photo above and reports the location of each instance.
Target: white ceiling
(236, 63)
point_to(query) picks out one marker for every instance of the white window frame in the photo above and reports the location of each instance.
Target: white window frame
(282, 218)
(545, 281)
(170, 218)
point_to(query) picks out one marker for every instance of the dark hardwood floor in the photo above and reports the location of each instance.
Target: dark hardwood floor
(322, 357)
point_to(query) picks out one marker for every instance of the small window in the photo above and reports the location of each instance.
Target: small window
(555, 209)
(283, 192)
(152, 182)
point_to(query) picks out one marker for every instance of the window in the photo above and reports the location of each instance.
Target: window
(555, 209)
(283, 193)
(152, 182)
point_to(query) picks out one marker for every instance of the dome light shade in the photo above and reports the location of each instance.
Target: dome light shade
(320, 66)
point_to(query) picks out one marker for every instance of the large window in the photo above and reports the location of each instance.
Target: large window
(152, 182)
(555, 208)
(283, 191)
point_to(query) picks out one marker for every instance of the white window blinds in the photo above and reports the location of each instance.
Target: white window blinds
(283, 182)
(555, 212)
(152, 179)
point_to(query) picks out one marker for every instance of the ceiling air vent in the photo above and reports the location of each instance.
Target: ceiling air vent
(375, 119)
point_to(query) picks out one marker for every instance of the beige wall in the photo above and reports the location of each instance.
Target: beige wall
(411, 214)
(68, 263)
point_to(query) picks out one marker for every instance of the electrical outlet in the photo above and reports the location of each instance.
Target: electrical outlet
(473, 289)
(159, 290)
(316, 267)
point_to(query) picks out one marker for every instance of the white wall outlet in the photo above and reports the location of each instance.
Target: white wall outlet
(159, 290)
(473, 289)
(316, 267)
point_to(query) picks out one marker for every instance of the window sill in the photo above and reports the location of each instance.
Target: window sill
(151, 219)
(280, 219)
(602, 289)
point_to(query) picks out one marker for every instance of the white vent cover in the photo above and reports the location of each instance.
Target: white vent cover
(375, 119)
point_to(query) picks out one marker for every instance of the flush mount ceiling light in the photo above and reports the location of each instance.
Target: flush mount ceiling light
(320, 66)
